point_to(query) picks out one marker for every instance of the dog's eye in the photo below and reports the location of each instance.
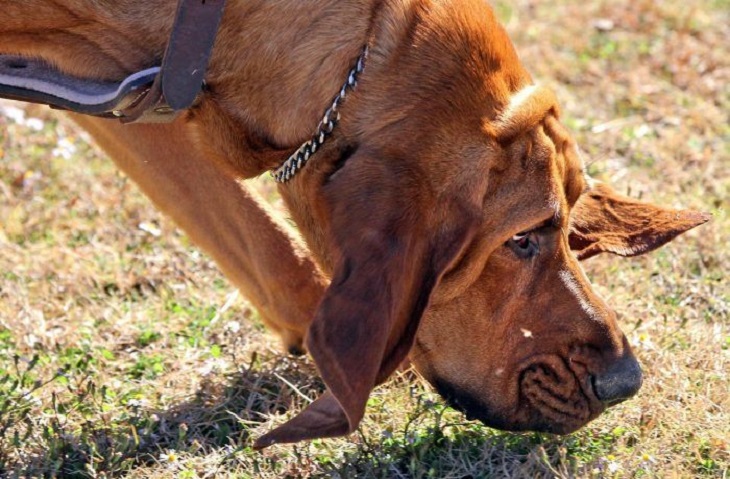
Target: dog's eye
(524, 244)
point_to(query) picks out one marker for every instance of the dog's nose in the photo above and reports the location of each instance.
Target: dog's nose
(619, 382)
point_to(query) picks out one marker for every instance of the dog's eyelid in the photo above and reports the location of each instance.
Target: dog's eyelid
(551, 222)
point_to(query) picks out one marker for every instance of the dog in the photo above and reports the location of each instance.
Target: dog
(444, 216)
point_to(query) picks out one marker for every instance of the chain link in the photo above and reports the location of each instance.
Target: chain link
(331, 116)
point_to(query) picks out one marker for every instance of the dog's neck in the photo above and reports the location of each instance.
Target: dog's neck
(431, 80)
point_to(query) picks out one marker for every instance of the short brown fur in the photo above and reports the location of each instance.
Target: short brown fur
(451, 153)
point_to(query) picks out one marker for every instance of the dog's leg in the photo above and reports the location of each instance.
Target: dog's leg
(257, 251)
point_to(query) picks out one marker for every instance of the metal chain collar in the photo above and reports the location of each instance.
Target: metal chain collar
(299, 158)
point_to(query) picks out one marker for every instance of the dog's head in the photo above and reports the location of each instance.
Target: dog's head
(452, 213)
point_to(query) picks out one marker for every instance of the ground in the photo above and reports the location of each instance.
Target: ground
(124, 351)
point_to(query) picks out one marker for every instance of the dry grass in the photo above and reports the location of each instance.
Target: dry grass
(123, 351)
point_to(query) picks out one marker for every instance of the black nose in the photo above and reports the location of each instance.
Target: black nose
(619, 382)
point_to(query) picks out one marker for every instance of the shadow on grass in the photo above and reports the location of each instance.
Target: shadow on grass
(430, 446)
(222, 416)
(215, 426)
(468, 452)
(222, 413)
(113, 435)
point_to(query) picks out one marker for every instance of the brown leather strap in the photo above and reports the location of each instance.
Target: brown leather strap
(183, 66)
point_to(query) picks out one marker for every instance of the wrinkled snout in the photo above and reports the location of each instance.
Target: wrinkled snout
(619, 382)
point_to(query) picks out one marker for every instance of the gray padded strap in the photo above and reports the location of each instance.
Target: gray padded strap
(36, 81)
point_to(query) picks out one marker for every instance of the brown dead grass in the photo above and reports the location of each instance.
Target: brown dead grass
(125, 352)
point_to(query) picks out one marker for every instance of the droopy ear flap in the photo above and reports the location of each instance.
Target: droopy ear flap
(604, 221)
(390, 261)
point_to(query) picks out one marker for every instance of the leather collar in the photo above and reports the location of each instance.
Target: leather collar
(153, 95)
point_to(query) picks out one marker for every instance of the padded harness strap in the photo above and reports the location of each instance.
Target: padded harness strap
(155, 94)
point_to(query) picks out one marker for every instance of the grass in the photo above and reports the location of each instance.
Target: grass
(124, 352)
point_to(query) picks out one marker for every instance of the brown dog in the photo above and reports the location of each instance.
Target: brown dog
(444, 206)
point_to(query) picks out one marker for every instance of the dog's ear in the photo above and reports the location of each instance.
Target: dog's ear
(604, 221)
(391, 257)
